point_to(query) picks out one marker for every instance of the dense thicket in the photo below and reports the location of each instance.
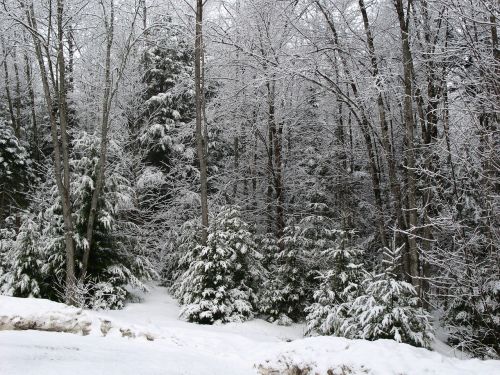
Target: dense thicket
(351, 152)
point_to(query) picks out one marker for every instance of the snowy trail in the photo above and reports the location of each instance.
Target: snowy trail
(184, 348)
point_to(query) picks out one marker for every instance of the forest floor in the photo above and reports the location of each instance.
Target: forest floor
(148, 338)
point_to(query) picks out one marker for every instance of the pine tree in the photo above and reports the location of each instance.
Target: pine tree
(16, 172)
(293, 263)
(114, 262)
(285, 293)
(52, 244)
(37, 258)
(330, 314)
(217, 286)
(470, 263)
(390, 308)
(161, 138)
(169, 97)
(178, 257)
(24, 277)
(473, 318)
(7, 238)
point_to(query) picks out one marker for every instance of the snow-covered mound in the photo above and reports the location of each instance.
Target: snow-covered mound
(336, 355)
(42, 315)
(148, 338)
(45, 315)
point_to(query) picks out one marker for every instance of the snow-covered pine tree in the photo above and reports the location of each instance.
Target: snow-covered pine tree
(306, 249)
(169, 95)
(114, 261)
(473, 318)
(217, 286)
(471, 294)
(24, 277)
(7, 238)
(178, 256)
(37, 258)
(162, 145)
(285, 293)
(473, 315)
(51, 241)
(390, 308)
(322, 236)
(340, 284)
(16, 172)
(268, 247)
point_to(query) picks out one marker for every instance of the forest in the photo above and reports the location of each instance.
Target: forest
(333, 163)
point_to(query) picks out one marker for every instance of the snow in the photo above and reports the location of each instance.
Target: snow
(148, 338)
(321, 354)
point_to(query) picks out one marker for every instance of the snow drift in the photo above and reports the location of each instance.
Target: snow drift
(339, 356)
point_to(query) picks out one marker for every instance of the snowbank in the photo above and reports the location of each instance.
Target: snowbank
(44, 315)
(336, 355)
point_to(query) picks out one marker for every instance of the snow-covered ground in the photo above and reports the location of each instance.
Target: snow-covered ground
(148, 338)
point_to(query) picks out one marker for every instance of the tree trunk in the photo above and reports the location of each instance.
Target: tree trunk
(101, 164)
(18, 93)
(236, 167)
(278, 179)
(409, 152)
(7, 89)
(61, 161)
(63, 121)
(270, 160)
(31, 94)
(200, 142)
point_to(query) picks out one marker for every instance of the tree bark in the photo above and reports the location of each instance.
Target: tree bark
(63, 121)
(409, 151)
(270, 159)
(236, 166)
(7, 89)
(31, 94)
(18, 93)
(101, 164)
(200, 141)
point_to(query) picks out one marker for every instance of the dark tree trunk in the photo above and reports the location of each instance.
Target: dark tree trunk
(201, 143)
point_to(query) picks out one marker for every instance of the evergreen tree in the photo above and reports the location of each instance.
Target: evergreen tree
(162, 141)
(218, 285)
(177, 259)
(390, 308)
(16, 172)
(473, 317)
(285, 293)
(52, 246)
(37, 259)
(340, 284)
(305, 250)
(24, 274)
(169, 96)
(470, 263)
(7, 238)
(114, 261)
